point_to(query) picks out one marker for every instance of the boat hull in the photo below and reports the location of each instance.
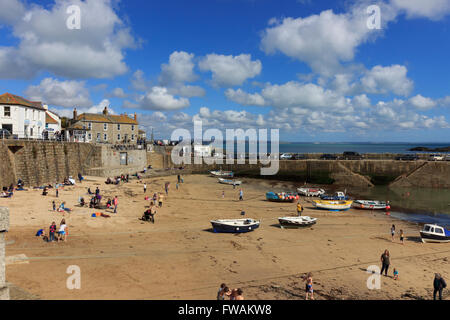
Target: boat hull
(224, 228)
(429, 237)
(288, 224)
(369, 205)
(223, 174)
(310, 192)
(275, 197)
(333, 205)
(230, 182)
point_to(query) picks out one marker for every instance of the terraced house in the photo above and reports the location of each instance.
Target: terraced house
(103, 128)
(21, 117)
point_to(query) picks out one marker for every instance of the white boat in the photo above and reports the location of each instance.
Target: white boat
(230, 182)
(296, 222)
(333, 205)
(235, 225)
(370, 204)
(434, 233)
(310, 192)
(220, 173)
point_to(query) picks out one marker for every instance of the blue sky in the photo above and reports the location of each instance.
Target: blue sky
(312, 69)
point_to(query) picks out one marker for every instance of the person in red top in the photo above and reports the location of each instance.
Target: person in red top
(52, 232)
(115, 203)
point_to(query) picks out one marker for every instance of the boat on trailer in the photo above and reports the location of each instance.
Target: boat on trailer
(310, 192)
(220, 173)
(234, 225)
(333, 205)
(297, 222)
(282, 196)
(370, 204)
(434, 233)
(230, 182)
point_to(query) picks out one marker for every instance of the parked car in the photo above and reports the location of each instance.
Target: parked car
(328, 156)
(436, 157)
(408, 157)
(286, 156)
(351, 155)
(4, 134)
(299, 156)
(447, 157)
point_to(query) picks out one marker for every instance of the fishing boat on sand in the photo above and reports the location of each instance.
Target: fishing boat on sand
(220, 173)
(234, 225)
(282, 196)
(434, 233)
(310, 192)
(337, 196)
(333, 205)
(230, 182)
(370, 204)
(296, 222)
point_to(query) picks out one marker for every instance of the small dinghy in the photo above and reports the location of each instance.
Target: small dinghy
(370, 204)
(297, 222)
(230, 182)
(310, 192)
(337, 196)
(434, 233)
(282, 196)
(220, 173)
(234, 225)
(333, 205)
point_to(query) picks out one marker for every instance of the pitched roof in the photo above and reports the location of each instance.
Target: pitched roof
(11, 99)
(95, 117)
(49, 119)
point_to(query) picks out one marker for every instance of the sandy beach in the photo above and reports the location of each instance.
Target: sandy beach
(179, 257)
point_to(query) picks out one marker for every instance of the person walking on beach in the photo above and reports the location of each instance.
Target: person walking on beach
(439, 285)
(145, 188)
(115, 203)
(393, 232)
(309, 287)
(395, 274)
(166, 187)
(385, 262)
(299, 209)
(57, 192)
(402, 236)
(160, 200)
(52, 231)
(54, 205)
(223, 194)
(241, 195)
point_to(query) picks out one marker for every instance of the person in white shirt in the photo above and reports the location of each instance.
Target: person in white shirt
(62, 230)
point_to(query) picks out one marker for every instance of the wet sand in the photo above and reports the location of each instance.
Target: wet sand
(179, 257)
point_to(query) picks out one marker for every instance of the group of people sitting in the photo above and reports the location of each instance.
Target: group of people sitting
(69, 181)
(117, 179)
(95, 200)
(7, 192)
(61, 208)
(61, 234)
(232, 294)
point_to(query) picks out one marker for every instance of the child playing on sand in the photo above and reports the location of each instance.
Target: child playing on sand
(393, 232)
(62, 230)
(395, 274)
(160, 200)
(309, 286)
(402, 237)
(145, 188)
(223, 194)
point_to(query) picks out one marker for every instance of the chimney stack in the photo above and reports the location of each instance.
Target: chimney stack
(135, 116)
(105, 111)
(75, 114)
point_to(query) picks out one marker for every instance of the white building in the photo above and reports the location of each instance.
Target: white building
(52, 122)
(21, 117)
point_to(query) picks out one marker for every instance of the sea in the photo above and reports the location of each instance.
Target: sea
(340, 147)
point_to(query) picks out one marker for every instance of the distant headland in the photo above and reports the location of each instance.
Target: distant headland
(425, 149)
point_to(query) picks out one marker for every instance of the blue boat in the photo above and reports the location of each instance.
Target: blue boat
(336, 196)
(234, 225)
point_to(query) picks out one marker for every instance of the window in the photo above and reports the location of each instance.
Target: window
(89, 125)
(118, 127)
(132, 137)
(89, 136)
(105, 127)
(98, 136)
(105, 137)
(46, 125)
(132, 127)
(438, 230)
(7, 111)
(118, 137)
